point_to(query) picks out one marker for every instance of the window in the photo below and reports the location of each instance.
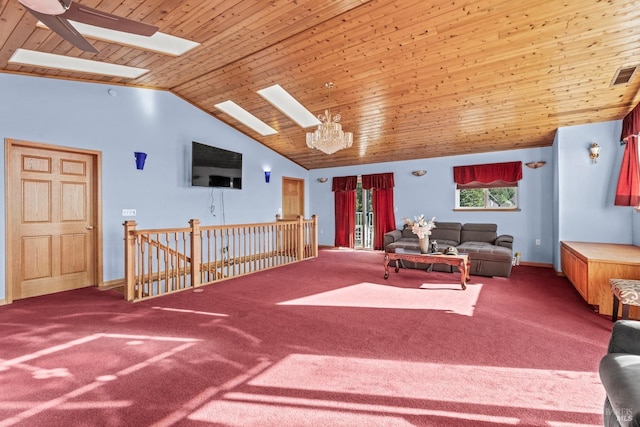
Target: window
(491, 186)
(487, 198)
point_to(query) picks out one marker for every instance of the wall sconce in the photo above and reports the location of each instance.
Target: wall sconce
(535, 165)
(267, 176)
(322, 180)
(140, 158)
(594, 152)
(419, 173)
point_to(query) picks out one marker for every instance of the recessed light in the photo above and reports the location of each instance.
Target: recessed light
(159, 42)
(287, 104)
(245, 117)
(61, 62)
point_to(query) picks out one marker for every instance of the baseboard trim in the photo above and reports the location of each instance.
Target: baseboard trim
(111, 284)
(536, 264)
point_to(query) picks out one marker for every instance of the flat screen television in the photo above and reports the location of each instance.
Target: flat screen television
(215, 167)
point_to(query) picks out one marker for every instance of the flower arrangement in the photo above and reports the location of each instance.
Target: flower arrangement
(421, 227)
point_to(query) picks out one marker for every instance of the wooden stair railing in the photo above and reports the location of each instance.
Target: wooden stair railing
(159, 262)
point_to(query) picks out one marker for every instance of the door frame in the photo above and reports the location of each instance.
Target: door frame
(11, 262)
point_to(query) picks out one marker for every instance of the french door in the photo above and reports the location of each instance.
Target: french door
(364, 218)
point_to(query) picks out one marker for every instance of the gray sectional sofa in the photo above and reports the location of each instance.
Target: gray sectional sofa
(490, 254)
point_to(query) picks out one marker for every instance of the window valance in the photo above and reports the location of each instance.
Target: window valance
(377, 181)
(344, 183)
(631, 124)
(490, 175)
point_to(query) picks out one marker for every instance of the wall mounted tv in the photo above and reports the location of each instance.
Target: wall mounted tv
(215, 167)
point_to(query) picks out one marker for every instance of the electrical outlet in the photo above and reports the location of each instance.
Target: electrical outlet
(537, 242)
(128, 212)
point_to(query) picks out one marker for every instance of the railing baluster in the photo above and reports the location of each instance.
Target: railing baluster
(159, 262)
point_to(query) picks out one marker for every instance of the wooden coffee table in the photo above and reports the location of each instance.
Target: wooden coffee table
(461, 261)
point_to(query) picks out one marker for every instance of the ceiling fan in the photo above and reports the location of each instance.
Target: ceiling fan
(56, 14)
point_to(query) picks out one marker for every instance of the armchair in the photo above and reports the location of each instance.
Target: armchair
(620, 375)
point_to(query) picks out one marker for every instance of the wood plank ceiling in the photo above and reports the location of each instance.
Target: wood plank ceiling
(413, 79)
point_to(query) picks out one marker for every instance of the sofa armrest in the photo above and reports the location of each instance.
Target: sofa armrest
(625, 337)
(505, 240)
(391, 237)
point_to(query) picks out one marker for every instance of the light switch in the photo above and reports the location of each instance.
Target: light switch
(128, 212)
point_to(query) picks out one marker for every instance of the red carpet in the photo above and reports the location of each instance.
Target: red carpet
(324, 342)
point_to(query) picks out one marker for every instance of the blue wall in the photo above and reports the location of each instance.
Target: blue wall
(585, 190)
(568, 199)
(434, 195)
(83, 115)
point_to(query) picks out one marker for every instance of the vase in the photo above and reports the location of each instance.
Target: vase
(424, 245)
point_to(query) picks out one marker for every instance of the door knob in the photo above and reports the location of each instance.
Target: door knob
(89, 227)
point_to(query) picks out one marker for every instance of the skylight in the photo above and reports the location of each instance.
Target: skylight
(287, 104)
(159, 42)
(61, 62)
(245, 117)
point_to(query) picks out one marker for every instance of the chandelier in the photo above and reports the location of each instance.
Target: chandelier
(329, 136)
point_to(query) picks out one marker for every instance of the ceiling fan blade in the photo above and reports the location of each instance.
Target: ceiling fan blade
(64, 29)
(88, 15)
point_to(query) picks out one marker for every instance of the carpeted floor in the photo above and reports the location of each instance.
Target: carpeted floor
(324, 342)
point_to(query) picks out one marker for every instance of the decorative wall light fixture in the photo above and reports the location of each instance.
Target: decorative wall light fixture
(419, 172)
(322, 180)
(267, 176)
(535, 165)
(329, 136)
(594, 152)
(140, 159)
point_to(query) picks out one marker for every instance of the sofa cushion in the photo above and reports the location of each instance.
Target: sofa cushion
(407, 233)
(479, 233)
(446, 233)
(620, 375)
(486, 251)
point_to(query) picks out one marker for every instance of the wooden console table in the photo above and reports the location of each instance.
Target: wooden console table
(589, 266)
(461, 261)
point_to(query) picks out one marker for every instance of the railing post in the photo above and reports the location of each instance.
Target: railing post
(300, 238)
(195, 252)
(314, 233)
(129, 260)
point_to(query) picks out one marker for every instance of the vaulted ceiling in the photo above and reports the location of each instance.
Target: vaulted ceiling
(413, 79)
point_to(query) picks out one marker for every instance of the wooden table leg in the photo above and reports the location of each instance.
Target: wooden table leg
(464, 274)
(386, 266)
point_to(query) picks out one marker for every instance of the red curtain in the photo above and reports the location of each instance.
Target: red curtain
(488, 175)
(628, 189)
(344, 188)
(384, 219)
